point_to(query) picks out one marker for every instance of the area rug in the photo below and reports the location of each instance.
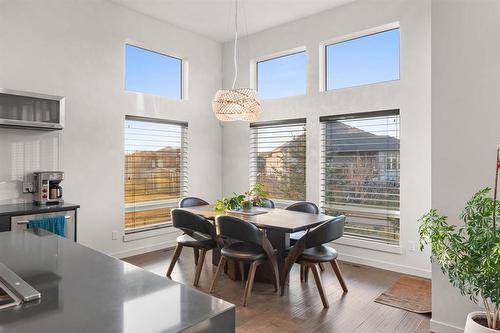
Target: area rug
(408, 293)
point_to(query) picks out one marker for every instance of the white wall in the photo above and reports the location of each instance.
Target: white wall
(465, 123)
(411, 94)
(76, 49)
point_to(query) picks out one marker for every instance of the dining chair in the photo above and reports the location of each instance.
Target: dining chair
(251, 246)
(310, 250)
(304, 207)
(267, 203)
(199, 234)
(191, 202)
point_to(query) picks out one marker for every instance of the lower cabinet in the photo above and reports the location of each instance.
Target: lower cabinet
(4, 223)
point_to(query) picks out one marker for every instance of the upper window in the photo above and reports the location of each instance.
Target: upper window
(360, 173)
(278, 158)
(282, 76)
(155, 171)
(364, 60)
(153, 73)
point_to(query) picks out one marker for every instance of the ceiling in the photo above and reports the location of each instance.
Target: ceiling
(215, 18)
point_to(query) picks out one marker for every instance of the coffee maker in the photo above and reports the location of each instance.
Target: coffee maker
(48, 189)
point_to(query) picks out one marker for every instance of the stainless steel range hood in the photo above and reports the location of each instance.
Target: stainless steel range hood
(28, 110)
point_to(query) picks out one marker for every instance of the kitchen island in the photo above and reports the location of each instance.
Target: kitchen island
(83, 290)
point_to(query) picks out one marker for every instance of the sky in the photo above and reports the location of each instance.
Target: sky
(154, 73)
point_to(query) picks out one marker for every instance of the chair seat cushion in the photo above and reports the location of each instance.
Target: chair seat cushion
(200, 240)
(243, 252)
(319, 254)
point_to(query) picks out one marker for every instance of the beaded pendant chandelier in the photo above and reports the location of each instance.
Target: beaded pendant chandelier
(236, 104)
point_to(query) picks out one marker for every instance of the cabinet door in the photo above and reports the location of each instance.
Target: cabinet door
(4, 223)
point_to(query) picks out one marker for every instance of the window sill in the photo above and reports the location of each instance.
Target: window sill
(366, 244)
(149, 233)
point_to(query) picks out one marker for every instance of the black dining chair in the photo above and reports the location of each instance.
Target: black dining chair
(199, 234)
(191, 202)
(267, 203)
(310, 250)
(251, 246)
(304, 207)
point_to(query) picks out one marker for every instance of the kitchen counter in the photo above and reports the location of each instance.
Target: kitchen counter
(31, 208)
(87, 291)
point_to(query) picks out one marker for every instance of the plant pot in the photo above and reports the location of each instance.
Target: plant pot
(471, 326)
(246, 205)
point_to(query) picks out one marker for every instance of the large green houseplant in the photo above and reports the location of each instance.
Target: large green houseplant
(470, 254)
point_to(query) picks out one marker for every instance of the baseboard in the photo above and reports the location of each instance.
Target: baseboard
(144, 249)
(385, 265)
(439, 327)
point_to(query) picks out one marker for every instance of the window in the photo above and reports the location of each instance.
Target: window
(278, 158)
(360, 173)
(155, 171)
(152, 73)
(282, 76)
(364, 60)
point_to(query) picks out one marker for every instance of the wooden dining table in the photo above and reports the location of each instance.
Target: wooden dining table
(277, 223)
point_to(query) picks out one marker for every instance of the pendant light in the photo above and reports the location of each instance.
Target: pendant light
(236, 104)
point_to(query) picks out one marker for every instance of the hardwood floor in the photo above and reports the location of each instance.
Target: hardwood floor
(300, 309)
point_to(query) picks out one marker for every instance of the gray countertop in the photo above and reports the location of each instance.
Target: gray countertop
(86, 291)
(30, 208)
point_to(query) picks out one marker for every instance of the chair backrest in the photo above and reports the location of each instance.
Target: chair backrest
(191, 201)
(190, 222)
(267, 203)
(237, 229)
(304, 206)
(325, 232)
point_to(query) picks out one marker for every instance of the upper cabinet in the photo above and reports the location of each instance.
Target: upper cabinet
(29, 110)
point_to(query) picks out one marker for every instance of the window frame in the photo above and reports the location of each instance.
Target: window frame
(352, 239)
(254, 75)
(184, 69)
(282, 122)
(355, 35)
(138, 232)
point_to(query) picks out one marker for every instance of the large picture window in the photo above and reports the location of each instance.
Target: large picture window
(360, 173)
(152, 72)
(155, 171)
(278, 158)
(364, 60)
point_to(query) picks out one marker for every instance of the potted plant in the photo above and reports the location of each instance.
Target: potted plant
(470, 254)
(257, 193)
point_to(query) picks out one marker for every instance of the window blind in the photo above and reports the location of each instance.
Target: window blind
(360, 173)
(278, 158)
(155, 171)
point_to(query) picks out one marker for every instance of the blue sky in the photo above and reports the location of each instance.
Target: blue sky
(283, 76)
(152, 73)
(365, 60)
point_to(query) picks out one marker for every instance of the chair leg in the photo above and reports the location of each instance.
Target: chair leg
(251, 275)
(301, 273)
(276, 277)
(306, 273)
(177, 253)
(242, 270)
(199, 266)
(321, 267)
(337, 271)
(317, 278)
(218, 272)
(196, 253)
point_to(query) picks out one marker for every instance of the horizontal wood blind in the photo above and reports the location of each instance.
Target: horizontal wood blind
(278, 158)
(360, 173)
(155, 171)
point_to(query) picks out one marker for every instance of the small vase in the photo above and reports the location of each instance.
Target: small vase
(246, 205)
(471, 326)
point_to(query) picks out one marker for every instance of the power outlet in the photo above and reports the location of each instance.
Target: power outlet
(411, 246)
(114, 235)
(27, 187)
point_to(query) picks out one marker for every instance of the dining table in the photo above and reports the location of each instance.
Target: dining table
(277, 223)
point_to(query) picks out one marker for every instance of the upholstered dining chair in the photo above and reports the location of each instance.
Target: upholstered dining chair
(191, 202)
(250, 246)
(267, 203)
(199, 234)
(310, 250)
(304, 207)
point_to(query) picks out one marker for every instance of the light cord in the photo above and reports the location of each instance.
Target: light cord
(235, 44)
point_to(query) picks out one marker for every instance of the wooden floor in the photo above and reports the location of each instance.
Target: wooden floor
(300, 309)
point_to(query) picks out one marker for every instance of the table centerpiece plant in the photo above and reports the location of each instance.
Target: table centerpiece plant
(252, 197)
(470, 254)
